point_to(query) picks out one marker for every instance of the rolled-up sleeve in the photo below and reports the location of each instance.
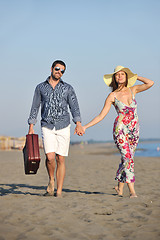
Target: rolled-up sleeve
(73, 105)
(35, 107)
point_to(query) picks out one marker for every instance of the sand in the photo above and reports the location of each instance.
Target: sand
(89, 208)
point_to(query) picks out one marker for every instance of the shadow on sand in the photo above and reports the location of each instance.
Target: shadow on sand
(18, 189)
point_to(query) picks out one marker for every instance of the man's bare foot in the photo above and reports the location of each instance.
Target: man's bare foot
(133, 195)
(48, 194)
(50, 187)
(118, 191)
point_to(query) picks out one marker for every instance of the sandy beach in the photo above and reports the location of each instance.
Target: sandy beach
(89, 207)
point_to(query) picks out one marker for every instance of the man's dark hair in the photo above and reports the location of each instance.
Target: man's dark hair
(58, 62)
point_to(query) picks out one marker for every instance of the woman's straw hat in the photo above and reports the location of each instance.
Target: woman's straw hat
(131, 76)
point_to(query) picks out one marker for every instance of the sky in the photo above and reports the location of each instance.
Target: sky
(92, 37)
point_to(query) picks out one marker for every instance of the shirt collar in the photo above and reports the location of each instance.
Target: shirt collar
(61, 81)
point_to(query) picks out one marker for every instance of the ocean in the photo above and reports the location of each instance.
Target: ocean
(148, 149)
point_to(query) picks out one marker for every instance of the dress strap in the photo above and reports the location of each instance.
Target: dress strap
(114, 98)
(132, 94)
(114, 94)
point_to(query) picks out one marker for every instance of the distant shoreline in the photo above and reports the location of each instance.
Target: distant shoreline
(112, 141)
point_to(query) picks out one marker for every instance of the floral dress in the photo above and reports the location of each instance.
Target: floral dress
(126, 136)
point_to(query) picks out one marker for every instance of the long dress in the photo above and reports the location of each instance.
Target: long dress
(126, 136)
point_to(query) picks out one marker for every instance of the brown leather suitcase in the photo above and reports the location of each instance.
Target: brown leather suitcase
(31, 154)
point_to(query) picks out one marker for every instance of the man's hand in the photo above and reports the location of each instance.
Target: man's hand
(79, 130)
(31, 131)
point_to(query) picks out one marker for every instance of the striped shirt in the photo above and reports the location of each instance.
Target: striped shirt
(54, 105)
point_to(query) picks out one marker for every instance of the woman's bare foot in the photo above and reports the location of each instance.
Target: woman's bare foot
(120, 193)
(133, 195)
(59, 195)
(50, 187)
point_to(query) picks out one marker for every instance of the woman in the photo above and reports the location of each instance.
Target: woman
(126, 126)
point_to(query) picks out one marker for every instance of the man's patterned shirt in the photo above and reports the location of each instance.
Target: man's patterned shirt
(54, 105)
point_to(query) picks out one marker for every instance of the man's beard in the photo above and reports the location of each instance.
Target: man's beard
(55, 79)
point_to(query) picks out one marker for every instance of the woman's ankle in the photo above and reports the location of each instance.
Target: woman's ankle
(119, 191)
(133, 194)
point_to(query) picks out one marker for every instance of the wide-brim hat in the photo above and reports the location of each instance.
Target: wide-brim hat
(131, 76)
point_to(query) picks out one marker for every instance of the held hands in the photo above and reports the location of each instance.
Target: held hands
(79, 130)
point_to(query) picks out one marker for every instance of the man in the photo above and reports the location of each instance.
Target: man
(55, 96)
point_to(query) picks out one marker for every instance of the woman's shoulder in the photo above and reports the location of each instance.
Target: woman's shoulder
(113, 94)
(111, 97)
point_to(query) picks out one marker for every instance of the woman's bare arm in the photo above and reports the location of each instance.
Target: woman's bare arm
(103, 113)
(147, 83)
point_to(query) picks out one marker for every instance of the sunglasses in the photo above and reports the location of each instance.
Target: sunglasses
(58, 68)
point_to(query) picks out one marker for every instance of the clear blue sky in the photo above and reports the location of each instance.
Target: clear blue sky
(92, 37)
